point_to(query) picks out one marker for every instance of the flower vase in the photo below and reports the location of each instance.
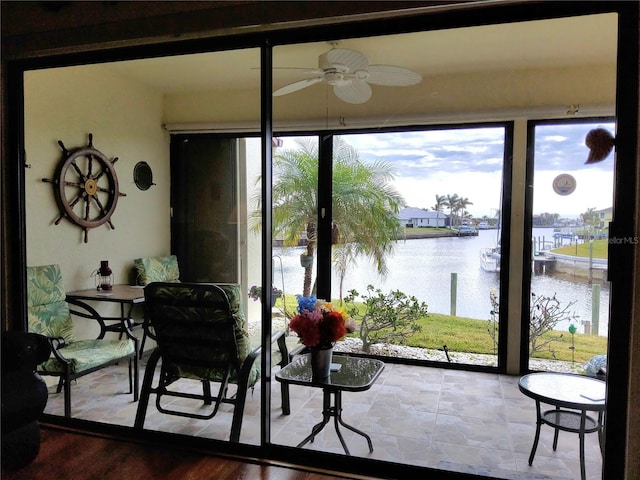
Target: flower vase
(321, 363)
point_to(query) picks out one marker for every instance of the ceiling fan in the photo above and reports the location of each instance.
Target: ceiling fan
(350, 74)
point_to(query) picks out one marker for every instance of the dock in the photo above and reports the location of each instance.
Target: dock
(543, 264)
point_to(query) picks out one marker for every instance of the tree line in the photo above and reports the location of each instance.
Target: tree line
(457, 206)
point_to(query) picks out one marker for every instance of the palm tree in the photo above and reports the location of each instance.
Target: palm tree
(365, 205)
(463, 203)
(365, 208)
(343, 255)
(452, 203)
(590, 218)
(441, 202)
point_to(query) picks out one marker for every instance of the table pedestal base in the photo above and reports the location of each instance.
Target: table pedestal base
(568, 421)
(334, 411)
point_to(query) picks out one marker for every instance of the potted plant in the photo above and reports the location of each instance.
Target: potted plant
(306, 260)
(255, 294)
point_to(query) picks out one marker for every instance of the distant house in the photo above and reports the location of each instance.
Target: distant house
(417, 217)
(606, 216)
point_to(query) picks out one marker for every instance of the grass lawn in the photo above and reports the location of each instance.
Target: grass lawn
(582, 250)
(426, 230)
(462, 334)
(431, 231)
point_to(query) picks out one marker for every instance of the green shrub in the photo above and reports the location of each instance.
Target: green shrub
(385, 318)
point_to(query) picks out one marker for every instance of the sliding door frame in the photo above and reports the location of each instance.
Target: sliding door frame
(625, 222)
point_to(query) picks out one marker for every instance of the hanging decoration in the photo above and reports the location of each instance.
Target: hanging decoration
(143, 176)
(600, 143)
(86, 187)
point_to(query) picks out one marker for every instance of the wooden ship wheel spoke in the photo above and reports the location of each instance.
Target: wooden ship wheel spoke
(86, 199)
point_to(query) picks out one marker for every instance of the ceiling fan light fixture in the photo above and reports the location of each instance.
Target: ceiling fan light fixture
(349, 73)
(334, 78)
(361, 75)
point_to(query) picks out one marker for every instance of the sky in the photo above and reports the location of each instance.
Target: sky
(469, 162)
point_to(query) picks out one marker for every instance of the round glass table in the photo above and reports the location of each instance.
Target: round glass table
(572, 396)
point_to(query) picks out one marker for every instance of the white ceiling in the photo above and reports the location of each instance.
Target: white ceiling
(588, 40)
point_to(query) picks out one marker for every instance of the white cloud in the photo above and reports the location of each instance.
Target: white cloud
(468, 162)
(594, 189)
(483, 189)
(554, 138)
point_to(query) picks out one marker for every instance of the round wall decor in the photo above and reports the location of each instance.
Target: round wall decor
(143, 176)
(86, 187)
(564, 184)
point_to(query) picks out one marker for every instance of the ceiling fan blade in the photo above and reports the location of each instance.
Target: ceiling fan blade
(294, 87)
(353, 92)
(352, 59)
(392, 76)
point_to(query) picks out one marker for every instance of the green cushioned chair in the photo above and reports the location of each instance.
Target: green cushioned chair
(71, 358)
(201, 334)
(155, 269)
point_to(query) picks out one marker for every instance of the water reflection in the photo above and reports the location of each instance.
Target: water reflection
(423, 268)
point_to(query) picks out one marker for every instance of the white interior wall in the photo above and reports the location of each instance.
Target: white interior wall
(125, 119)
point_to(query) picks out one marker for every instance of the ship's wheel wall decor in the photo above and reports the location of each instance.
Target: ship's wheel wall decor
(86, 187)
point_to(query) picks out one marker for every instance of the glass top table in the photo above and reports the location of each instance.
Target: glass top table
(565, 390)
(572, 396)
(354, 374)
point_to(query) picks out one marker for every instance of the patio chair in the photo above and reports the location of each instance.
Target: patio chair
(155, 269)
(71, 358)
(201, 334)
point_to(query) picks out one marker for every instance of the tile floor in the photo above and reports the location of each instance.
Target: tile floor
(448, 419)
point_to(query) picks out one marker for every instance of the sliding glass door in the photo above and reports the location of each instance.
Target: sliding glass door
(567, 321)
(205, 207)
(431, 203)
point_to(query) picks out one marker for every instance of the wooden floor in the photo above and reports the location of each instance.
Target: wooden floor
(66, 455)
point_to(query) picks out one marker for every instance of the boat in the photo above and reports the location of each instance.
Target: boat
(490, 256)
(466, 230)
(490, 259)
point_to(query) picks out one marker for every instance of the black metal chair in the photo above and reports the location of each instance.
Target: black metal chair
(71, 358)
(201, 334)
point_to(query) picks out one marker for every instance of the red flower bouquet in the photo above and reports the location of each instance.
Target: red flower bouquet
(319, 324)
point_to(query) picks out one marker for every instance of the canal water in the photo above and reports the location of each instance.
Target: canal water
(423, 268)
